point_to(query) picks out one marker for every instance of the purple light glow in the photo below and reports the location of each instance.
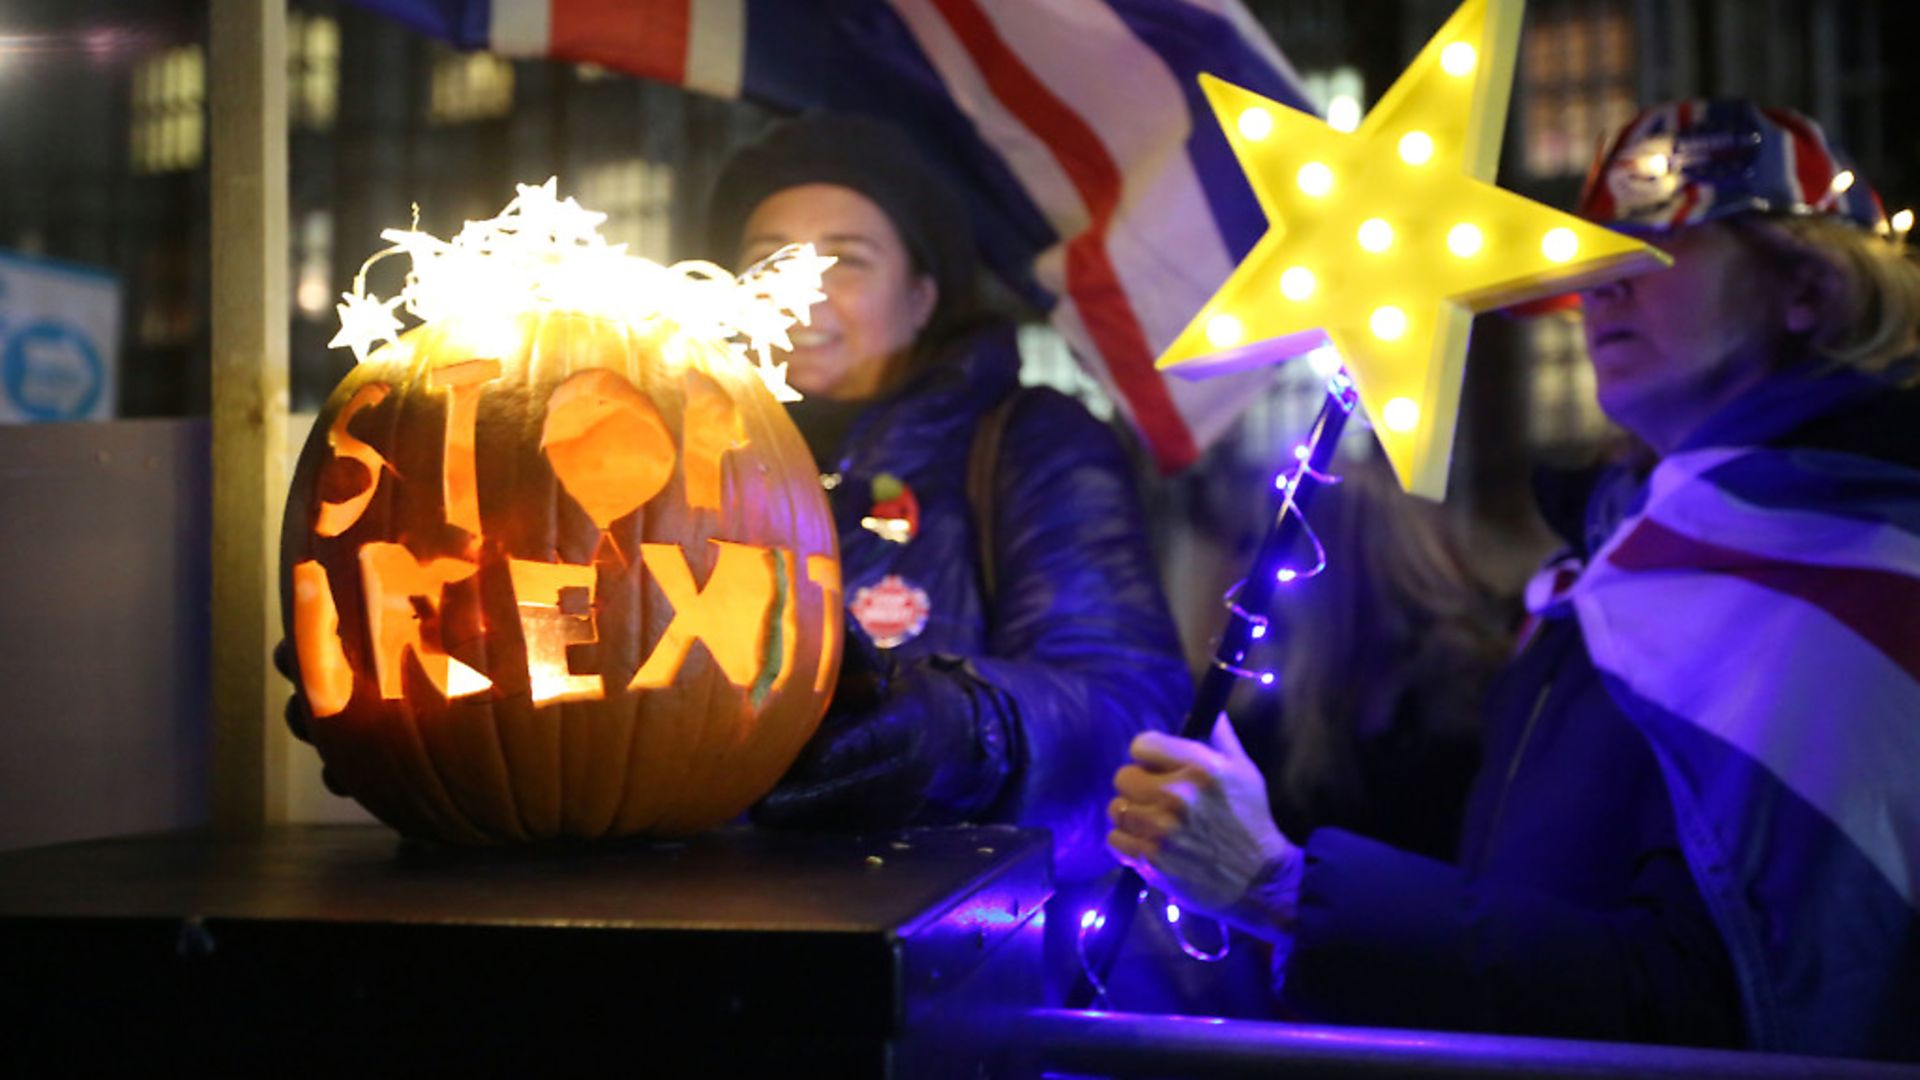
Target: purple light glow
(1259, 631)
(1286, 576)
(1173, 913)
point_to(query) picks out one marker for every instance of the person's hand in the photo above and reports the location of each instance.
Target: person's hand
(1192, 818)
(299, 714)
(905, 746)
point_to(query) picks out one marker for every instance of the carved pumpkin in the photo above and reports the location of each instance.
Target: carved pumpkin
(558, 575)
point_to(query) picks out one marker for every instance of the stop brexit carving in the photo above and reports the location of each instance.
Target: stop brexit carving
(612, 453)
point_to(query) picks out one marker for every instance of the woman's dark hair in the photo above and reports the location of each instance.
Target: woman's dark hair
(877, 160)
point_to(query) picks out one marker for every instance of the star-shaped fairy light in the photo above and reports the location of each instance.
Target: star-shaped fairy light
(545, 251)
(363, 321)
(1386, 240)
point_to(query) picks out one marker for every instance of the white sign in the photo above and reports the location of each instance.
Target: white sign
(59, 340)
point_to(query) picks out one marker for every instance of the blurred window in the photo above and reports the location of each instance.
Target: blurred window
(469, 86)
(637, 197)
(169, 110)
(1577, 82)
(1563, 410)
(313, 291)
(313, 70)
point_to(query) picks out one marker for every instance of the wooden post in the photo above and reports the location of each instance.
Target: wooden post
(248, 102)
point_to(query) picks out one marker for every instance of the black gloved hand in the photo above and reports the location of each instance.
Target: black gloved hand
(922, 750)
(299, 714)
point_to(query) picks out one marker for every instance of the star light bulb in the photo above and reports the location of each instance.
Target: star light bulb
(1457, 59)
(1256, 124)
(1343, 113)
(1388, 323)
(1376, 235)
(1560, 245)
(1297, 283)
(1315, 178)
(1416, 148)
(1224, 331)
(1465, 240)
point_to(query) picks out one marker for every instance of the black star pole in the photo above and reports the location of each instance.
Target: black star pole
(1108, 924)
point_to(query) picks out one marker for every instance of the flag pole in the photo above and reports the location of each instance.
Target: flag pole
(1104, 928)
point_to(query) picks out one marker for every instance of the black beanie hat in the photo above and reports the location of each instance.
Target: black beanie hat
(863, 153)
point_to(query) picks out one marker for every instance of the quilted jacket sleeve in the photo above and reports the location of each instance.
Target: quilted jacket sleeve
(1390, 939)
(1082, 650)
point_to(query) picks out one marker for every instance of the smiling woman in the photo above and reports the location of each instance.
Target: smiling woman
(877, 301)
(1007, 632)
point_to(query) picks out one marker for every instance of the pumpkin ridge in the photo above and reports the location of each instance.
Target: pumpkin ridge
(540, 733)
(414, 680)
(514, 825)
(374, 718)
(430, 788)
(710, 788)
(704, 784)
(563, 715)
(492, 565)
(605, 742)
(647, 704)
(611, 712)
(470, 763)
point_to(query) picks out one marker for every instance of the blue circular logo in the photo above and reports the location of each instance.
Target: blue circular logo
(51, 372)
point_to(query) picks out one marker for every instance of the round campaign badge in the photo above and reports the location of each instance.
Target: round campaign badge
(892, 611)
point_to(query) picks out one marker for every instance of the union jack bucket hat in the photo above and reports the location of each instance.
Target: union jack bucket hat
(1687, 162)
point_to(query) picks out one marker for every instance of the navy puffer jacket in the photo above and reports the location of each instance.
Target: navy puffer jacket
(1077, 652)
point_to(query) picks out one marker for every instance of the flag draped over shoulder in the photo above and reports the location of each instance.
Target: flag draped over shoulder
(1101, 188)
(1759, 620)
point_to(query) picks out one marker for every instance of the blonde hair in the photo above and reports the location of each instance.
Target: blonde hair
(1868, 315)
(1397, 615)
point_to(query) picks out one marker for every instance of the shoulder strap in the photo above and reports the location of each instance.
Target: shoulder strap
(981, 459)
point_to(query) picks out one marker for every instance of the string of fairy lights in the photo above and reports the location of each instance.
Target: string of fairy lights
(545, 251)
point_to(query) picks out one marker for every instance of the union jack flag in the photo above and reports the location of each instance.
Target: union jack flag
(1101, 188)
(1759, 620)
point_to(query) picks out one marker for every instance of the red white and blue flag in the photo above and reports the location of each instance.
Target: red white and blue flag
(1101, 187)
(1759, 620)
(1685, 162)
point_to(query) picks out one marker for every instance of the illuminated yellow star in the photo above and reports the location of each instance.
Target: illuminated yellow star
(1386, 240)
